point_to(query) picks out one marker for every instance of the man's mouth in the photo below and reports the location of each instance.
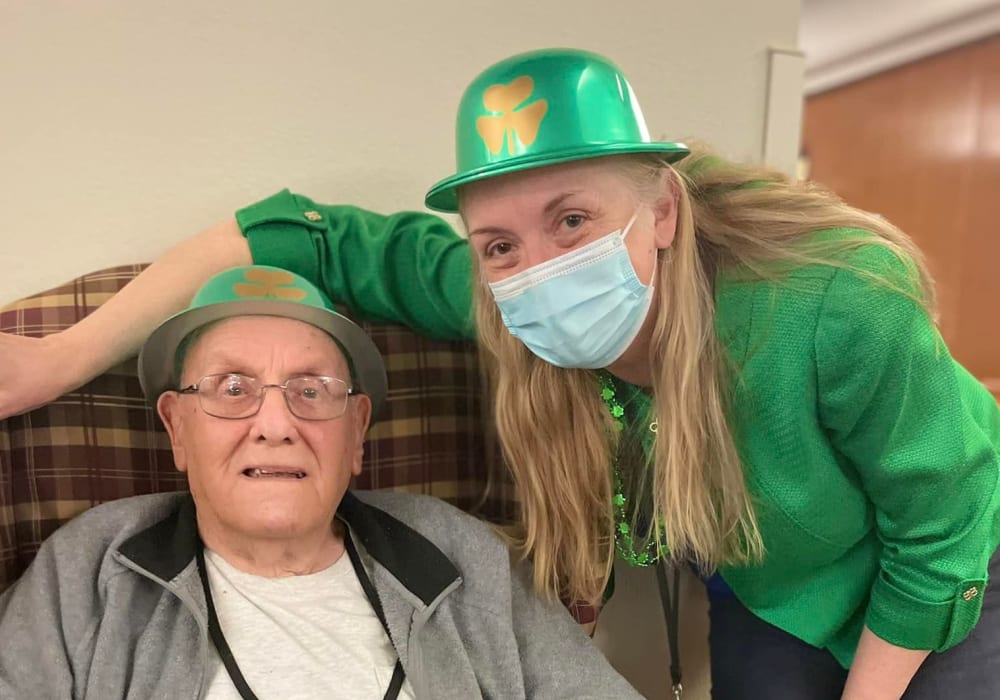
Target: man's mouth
(262, 473)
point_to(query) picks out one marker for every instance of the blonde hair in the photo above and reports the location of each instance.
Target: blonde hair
(555, 431)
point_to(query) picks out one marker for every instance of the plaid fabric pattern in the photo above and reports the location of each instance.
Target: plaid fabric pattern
(104, 441)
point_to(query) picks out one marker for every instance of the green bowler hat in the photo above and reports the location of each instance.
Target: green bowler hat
(542, 108)
(259, 290)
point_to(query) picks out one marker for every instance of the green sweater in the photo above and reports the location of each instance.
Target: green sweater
(873, 457)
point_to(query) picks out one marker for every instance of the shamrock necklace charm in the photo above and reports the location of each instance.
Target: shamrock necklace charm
(624, 539)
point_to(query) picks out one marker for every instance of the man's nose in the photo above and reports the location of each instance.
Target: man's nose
(274, 422)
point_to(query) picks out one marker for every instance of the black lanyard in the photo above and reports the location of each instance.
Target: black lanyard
(670, 601)
(222, 646)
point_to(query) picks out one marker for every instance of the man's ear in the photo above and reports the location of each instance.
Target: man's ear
(665, 212)
(360, 414)
(168, 406)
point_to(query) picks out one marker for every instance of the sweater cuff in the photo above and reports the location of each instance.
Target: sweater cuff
(279, 231)
(909, 622)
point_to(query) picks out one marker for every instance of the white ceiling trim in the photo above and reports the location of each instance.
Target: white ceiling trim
(909, 43)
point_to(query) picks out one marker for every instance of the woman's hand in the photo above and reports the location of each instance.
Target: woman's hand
(34, 371)
(881, 671)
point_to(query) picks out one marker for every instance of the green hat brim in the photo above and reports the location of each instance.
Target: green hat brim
(443, 196)
(156, 360)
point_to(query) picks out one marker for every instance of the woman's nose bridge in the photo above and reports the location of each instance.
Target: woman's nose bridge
(538, 250)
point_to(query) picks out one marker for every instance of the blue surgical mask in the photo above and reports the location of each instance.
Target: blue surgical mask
(582, 309)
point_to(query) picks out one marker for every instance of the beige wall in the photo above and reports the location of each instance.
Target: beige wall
(126, 126)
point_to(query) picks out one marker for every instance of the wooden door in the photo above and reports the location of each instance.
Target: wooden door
(920, 145)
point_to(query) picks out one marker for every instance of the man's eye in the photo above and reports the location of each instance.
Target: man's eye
(574, 220)
(310, 393)
(233, 386)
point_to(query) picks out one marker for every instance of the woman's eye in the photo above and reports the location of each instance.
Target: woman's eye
(574, 220)
(498, 248)
(234, 390)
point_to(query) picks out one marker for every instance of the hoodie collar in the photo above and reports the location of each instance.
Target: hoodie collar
(166, 548)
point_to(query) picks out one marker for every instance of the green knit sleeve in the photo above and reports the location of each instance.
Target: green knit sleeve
(408, 268)
(921, 436)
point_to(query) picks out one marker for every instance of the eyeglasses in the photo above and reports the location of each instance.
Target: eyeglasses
(235, 396)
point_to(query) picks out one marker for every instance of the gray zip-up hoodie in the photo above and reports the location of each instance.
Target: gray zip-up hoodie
(113, 607)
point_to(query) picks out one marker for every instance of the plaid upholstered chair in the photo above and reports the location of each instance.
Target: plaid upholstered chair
(105, 441)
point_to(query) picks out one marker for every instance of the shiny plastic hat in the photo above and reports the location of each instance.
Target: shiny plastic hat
(543, 108)
(259, 290)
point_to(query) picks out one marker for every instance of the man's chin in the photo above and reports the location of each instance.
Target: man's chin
(279, 527)
(276, 516)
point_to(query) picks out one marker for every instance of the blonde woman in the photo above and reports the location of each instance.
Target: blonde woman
(692, 361)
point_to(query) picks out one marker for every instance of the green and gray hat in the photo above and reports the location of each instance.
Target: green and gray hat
(259, 290)
(542, 108)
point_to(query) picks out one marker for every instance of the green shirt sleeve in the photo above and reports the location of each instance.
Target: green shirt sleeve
(923, 435)
(408, 268)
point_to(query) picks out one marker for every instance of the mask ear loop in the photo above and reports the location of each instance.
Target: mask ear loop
(656, 258)
(628, 226)
(652, 275)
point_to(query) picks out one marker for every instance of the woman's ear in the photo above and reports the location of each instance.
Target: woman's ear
(665, 211)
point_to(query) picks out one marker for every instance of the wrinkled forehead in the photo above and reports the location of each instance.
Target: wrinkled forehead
(252, 339)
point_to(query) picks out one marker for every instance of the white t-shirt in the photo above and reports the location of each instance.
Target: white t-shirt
(300, 637)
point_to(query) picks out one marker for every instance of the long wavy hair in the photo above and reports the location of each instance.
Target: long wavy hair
(556, 434)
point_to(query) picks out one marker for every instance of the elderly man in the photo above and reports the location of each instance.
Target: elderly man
(271, 579)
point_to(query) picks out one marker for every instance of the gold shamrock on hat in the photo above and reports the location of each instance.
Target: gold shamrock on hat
(519, 122)
(274, 284)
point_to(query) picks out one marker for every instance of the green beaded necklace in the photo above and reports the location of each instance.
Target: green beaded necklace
(624, 541)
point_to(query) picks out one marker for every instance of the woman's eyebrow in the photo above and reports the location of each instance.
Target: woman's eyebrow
(558, 200)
